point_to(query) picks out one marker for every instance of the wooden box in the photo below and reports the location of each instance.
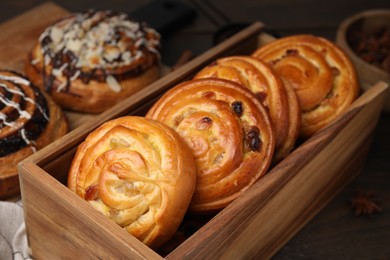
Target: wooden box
(257, 224)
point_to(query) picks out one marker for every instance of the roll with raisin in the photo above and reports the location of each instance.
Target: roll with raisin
(322, 75)
(279, 98)
(137, 172)
(229, 132)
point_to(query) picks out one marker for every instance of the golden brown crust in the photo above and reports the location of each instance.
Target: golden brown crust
(260, 78)
(322, 75)
(229, 132)
(294, 119)
(112, 59)
(137, 172)
(39, 122)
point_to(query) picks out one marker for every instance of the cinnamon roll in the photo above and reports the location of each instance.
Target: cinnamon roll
(229, 132)
(29, 120)
(322, 75)
(139, 173)
(91, 61)
(260, 78)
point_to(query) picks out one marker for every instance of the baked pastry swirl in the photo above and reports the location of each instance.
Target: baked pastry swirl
(137, 172)
(260, 78)
(322, 75)
(90, 61)
(229, 132)
(29, 120)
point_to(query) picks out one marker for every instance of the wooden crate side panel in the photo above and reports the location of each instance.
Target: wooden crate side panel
(308, 192)
(61, 226)
(319, 201)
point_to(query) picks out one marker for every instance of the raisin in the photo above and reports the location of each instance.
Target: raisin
(204, 123)
(335, 71)
(70, 56)
(273, 62)
(92, 192)
(209, 95)
(57, 60)
(253, 139)
(86, 77)
(292, 52)
(46, 40)
(206, 120)
(372, 47)
(177, 120)
(212, 64)
(261, 96)
(237, 107)
(113, 212)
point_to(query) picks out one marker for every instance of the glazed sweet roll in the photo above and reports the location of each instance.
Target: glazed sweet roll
(321, 74)
(261, 79)
(229, 132)
(91, 61)
(137, 172)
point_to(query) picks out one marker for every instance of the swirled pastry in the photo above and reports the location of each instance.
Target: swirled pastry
(29, 120)
(322, 75)
(260, 78)
(91, 61)
(229, 132)
(137, 172)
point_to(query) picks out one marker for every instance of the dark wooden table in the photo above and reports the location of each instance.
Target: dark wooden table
(335, 233)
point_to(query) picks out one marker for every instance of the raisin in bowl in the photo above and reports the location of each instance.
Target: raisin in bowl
(365, 37)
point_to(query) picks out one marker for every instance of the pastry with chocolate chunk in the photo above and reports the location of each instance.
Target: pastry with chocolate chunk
(29, 120)
(90, 61)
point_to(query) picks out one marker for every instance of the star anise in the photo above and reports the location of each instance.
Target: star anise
(364, 203)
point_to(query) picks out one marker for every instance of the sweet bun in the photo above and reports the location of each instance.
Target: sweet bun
(229, 132)
(261, 79)
(29, 120)
(139, 173)
(321, 74)
(90, 61)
